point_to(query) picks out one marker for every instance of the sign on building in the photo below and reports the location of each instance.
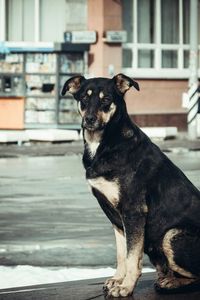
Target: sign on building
(80, 37)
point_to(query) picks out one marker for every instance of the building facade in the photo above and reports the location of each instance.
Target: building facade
(155, 53)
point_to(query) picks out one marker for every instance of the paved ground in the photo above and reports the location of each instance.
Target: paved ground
(92, 289)
(48, 215)
(49, 149)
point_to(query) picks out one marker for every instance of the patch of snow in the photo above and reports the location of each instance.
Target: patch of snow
(28, 275)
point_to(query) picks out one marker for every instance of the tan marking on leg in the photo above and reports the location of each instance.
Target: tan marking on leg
(121, 253)
(134, 263)
(133, 272)
(168, 251)
(121, 260)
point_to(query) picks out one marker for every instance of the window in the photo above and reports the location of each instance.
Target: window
(170, 22)
(20, 20)
(158, 37)
(145, 21)
(127, 16)
(40, 20)
(145, 32)
(186, 21)
(52, 20)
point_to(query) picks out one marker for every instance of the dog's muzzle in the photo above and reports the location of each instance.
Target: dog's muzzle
(91, 122)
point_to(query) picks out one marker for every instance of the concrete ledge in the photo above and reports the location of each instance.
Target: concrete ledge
(52, 135)
(160, 132)
(47, 135)
(12, 136)
(92, 289)
(61, 135)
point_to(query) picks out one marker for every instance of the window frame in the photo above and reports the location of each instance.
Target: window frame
(36, 19)
(157, 71)
(2, 20)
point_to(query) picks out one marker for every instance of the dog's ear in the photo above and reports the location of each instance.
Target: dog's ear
(124, 83)
(72, 85)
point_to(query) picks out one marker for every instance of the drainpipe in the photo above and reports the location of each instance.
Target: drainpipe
(193, 66)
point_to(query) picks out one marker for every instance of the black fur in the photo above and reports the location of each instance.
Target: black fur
(146, 177)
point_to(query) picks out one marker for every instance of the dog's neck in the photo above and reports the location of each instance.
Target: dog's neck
(118, 128)
(92, 140)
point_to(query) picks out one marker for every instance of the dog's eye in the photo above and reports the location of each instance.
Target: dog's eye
(106, 99)
(106, 106)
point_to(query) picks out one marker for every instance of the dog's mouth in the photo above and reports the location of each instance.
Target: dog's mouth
(92, 127)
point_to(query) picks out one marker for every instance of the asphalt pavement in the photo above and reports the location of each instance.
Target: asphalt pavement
(10, 150)
(48, 216)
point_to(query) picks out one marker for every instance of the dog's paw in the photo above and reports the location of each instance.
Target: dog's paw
(120, 291)
(163, 284)
(170, 283)
(112, 282)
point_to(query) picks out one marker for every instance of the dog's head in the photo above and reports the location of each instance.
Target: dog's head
(99, 99)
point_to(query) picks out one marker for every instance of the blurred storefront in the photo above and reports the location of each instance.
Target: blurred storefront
(35, 61)
(31, 79)
(145, 39)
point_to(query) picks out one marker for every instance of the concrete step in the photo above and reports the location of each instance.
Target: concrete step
(13, 136)
(160, 132)
(46, 135)
(52, 135)
(64, 135)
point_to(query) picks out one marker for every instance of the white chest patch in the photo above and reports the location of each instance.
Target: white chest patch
(110, 189)
(93, 140)
(92, 147)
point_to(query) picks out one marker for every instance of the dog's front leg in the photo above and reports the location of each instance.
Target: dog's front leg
(121, 260)
(134, 230)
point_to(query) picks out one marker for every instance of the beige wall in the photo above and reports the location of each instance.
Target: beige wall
(159, 102)
(157, 96)
(104, 15)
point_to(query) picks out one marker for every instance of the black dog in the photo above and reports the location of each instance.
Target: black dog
(153, 207)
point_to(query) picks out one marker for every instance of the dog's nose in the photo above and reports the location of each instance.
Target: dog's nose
(90, 119)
